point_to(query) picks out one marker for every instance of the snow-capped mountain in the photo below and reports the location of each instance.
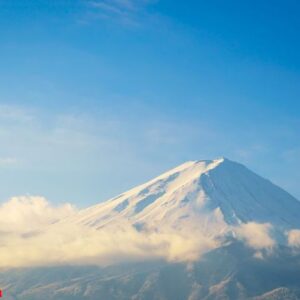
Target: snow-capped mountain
(199, 206)
(216, 192)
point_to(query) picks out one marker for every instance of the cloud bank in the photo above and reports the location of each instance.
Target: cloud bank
(35, 233)
(32, 235)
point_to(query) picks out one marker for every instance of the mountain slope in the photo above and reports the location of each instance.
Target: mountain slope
(230, 273)
(220, 191)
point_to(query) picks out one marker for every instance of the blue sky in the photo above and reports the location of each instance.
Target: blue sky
(99, 96)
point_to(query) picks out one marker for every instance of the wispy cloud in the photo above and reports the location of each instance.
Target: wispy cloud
(8, 161)
(127, 12)
(15, 114)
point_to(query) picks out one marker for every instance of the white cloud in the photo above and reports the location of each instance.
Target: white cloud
(29, 213)
(294, 238)
(30, 236)
(34, 233)
(255, 235)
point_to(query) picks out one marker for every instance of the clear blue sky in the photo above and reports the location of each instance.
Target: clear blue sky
(98, 96)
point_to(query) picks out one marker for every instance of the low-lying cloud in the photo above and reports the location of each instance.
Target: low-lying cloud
(35, 233)
(24, 214)
(32, 235)
(255, 235)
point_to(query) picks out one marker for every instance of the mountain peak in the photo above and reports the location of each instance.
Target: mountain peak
(200, 191)
(201, 166)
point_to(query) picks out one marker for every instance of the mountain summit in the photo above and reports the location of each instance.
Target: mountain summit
(210, 194)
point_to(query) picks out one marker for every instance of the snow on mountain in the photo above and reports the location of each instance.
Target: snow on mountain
(178, 216)
(205, 229)
(208, 194)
